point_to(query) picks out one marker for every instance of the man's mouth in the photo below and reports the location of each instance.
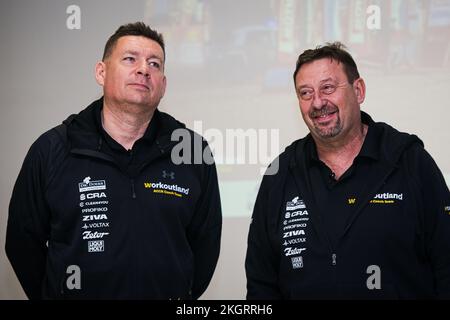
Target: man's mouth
(140, 86)
(324, 115)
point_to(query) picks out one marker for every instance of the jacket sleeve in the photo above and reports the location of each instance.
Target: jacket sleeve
(261, 264)
(28, 222)
(436, 206)
(204, 232)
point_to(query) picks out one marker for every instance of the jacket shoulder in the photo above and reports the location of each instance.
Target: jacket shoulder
(169, 124)
(278, 169)
(52, 139)
(395, 143)
(48, 151)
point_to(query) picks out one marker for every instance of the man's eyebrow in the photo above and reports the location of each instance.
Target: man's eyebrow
(326, 80)
(155, 56)
(131, 52)
(308, 86)
(136, 53)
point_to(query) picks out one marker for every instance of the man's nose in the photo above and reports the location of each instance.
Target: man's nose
(143, 69)
(317, 101)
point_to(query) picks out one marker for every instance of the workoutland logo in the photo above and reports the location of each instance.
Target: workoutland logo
(387, 198)
(167, 189)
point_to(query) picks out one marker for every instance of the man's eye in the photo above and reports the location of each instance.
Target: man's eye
(154, 64)
(305, 94)
(128, 59)
(328, 89)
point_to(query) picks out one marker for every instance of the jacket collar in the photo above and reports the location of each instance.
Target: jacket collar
(382, 143)
(370, 148)
(85, 132)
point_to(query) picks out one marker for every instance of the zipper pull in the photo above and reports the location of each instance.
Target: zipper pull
(133, 193)
(333, 259)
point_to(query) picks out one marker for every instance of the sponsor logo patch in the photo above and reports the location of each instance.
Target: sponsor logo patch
(96, 246)
(387, 198)
(88, 185)
(93, 217)
(94, 235)
(289, 234)
(295, 204)
(293, 231)
(289, 251)
(167, 189)
(297, 262)
(96, 225)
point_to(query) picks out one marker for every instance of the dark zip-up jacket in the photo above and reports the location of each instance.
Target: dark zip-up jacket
(83, 224)
(395, 244)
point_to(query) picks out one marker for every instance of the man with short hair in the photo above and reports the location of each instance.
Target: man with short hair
(357, 209)
(100, 210)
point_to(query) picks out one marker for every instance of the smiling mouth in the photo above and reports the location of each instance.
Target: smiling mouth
(325, 118)
(324, 115)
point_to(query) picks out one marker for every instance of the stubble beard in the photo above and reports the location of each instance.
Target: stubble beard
(330, 130)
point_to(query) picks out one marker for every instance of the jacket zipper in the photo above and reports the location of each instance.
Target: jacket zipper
(133, 191)
(301, 176)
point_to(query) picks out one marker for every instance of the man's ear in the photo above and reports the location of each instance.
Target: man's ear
(100, 72)
(360, 90)
(164, 87)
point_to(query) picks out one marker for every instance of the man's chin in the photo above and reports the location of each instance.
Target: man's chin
(138, 101)
(329, 129)
(326, 132)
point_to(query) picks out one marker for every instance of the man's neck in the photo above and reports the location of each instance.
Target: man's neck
(339, 154)
(125, 123)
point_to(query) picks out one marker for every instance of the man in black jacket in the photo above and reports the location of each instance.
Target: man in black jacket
(356, 209)
(102, 207)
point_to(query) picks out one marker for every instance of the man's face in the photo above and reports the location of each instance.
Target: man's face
(328, 102)
(134, 73)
